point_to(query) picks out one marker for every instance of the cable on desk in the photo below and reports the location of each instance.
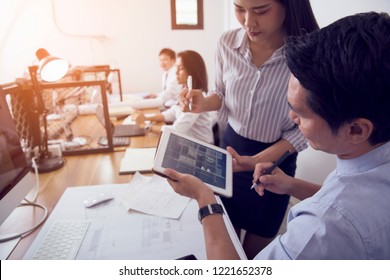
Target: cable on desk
(35, 166)
(11, 236)
(33, 203)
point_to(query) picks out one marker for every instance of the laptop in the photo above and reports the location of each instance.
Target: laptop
(123, 130)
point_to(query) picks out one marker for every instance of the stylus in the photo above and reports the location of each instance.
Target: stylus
(272, 167)
(189, 86)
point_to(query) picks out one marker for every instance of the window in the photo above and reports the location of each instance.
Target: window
(187, 14)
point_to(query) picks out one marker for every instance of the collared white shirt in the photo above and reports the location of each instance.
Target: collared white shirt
(170, 86)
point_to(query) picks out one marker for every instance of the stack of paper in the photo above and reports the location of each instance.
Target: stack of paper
(153, 195)
(137, 159)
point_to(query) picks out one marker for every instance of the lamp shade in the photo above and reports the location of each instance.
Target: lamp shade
(51, 68)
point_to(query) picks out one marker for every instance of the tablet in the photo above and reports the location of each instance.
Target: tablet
(209, 163)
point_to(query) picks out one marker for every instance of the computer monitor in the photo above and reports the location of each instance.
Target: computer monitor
(16, 180)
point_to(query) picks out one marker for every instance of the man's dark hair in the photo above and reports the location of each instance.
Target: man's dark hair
(345, 67)
(169, 52)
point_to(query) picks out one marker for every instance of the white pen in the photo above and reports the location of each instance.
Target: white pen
(189, 86)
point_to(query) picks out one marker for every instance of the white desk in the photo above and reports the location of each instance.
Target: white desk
(117, 234)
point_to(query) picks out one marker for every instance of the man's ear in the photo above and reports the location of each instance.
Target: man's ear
(360, 130)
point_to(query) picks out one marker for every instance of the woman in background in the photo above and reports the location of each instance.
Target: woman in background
(189, 63)
(251, 86)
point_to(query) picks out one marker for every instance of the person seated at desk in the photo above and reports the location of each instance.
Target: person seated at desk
(193, 124)
(170, 86)
(339, 94)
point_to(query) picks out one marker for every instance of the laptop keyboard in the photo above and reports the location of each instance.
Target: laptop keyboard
(120, 141)
(128, 130)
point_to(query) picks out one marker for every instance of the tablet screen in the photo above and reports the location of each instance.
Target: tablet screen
(193, 158)
(188, 155)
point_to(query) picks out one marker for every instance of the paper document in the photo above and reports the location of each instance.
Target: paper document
(153, 195)
(137, 159)
(128, 120)
(119, 109)
(137, 101)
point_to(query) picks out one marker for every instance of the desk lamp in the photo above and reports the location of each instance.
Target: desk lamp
(50, 69)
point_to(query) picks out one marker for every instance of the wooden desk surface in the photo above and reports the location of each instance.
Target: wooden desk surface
(90, 169)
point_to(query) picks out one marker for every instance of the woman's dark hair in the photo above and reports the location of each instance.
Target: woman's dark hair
(299, 17)
(345, 69)
(195, 66)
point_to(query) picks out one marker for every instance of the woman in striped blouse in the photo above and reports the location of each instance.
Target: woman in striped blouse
(251, 87)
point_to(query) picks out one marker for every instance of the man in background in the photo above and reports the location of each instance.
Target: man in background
(170, 86)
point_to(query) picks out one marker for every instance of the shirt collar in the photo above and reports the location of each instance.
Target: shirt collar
(241, 40)
(241, 44)
(365, 162)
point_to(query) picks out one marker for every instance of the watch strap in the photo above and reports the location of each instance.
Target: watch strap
(210, 209)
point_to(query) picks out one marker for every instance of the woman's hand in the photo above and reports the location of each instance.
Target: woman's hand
(150, 96)
(195, 98)
(139, 118)
(241, 163)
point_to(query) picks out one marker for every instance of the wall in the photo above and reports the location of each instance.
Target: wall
(328, 11)
(126, 34)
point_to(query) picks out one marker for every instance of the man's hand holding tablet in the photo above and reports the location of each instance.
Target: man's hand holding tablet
(188, 155)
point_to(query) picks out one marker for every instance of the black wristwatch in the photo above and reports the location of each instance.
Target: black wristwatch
(210, 209)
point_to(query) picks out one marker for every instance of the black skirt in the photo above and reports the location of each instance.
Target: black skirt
(260, 215)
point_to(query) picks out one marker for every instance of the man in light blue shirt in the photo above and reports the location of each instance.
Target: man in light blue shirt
(339, 94)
